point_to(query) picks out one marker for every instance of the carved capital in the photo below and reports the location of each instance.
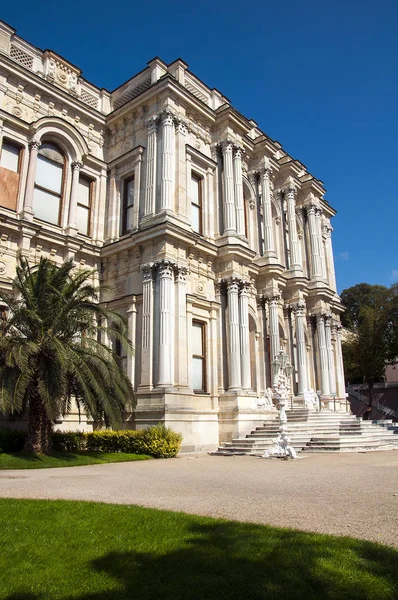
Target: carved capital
(152, 124)
(298, 309)
(181, 274)
(147, 271)
(168, 118)
(34, 146)
(76, 165)
(227, 147)
(238, 152)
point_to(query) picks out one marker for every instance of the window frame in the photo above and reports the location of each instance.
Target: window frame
(15, 145)
(48, 190)
(203, 357)
(199, 179)
(126, 208)
(91, 183)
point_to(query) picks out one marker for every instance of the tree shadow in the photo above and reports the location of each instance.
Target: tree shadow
(233, 561)
(216, 564)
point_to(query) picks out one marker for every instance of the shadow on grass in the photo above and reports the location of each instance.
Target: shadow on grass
(233, 561)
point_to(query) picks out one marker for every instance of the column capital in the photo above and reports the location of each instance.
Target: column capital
(290, 190)
(76, 165)
(238, 151)
(168, 117)
(34, 145)
(298, 308)
(227, 147)
(244, 288)
(232, 284)
(181, 274)
(152, 123)
(165, 267)
(147, 271)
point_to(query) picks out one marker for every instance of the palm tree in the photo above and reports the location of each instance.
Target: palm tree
(51, 351)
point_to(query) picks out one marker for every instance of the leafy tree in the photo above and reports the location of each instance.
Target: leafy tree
(51, 353)
(371, 316)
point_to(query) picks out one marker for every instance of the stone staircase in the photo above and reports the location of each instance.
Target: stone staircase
(323, 431)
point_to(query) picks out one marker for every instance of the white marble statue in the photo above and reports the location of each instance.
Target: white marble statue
(282, 447)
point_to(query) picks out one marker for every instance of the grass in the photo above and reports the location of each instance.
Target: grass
(20, 460)
(61, 550)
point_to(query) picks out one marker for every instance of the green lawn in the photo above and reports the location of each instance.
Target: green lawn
(75, 550)
(21, 460)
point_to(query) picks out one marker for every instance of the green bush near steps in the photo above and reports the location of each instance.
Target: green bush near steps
(157, 441)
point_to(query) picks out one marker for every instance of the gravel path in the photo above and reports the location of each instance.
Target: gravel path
(345, 494)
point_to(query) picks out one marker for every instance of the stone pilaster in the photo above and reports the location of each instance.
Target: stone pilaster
(273, 309)
(323, 355)
(339, 364)
(229, 196)
(269, 243)
(234, 362)
(239, 203)
(329, 349)
(27, 212)
(147, 326)
(316, 268)
(181, 327)
(295, 254)
(74, 191)
(302, 372)
(132, 326)
(167, 187)
(151, 159)
(245, 336)
(318, 219)
(166, 326)
(327, 234)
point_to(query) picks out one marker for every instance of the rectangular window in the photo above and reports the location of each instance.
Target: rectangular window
(198, 357)
(10, 162)
(128, 205)
(9, 158)
(196, 203)
(84, 205)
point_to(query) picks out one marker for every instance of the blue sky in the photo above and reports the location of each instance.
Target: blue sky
(319, 77)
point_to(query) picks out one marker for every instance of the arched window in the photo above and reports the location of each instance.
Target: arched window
(47, 196)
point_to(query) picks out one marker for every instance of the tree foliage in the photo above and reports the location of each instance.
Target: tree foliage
(371, 316)
(51, 350)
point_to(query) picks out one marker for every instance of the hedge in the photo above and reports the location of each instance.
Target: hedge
(158, 441)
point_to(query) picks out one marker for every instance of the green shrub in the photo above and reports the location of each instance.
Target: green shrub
(12, 440)
(158, 441)
(69, 441)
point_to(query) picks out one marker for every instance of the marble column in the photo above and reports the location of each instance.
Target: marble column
(181, 331)
(245, 336)
(302, 372)
(168, 161)
(327, 232)
(74, 194)
(329, 349)
(229, 192)
(295, 254)
(30, 180)
(316, 268)
(234, 337)
(269, 243)
(323, 355)
(147, 326)
(239, 203)
(339, 364)
(151, 160)
(132, 326)
(318, 219)
(166, 329)
(275, 345)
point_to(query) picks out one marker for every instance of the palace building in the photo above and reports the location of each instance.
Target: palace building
(215, 243)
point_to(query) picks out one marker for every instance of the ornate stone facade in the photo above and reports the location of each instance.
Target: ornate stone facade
(215, 243)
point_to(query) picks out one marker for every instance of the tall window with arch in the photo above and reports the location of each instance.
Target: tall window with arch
(47, 195)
